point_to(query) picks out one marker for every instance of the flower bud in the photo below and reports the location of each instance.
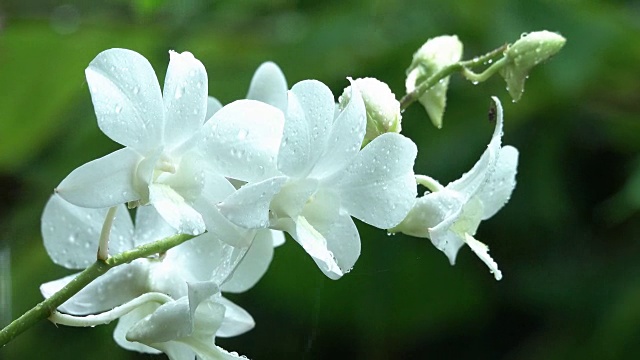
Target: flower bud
(436, 54)
(383, 110)
(530, 50)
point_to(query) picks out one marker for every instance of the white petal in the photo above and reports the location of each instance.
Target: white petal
(129, 320)
(242, 139)
(293, 197)
(269, 86)
(315, 244)
(379, 187)
(249, 206)
(498, 188)
(427, 212)
(104, 182)
(190, 178)
(254, 264)
(175, 211)
(341, 234)
(448, 242)
(170, 321)
(127, 99)
(216, 189)
(482, 251)
(116, 287)
(277, 237)
(71, 233)
(208, 317)
(150, 226)
(470, 183)
(213, 105)
(236, 321)
(309, 119)
(345, 139)
(196, 259)
(185, 98)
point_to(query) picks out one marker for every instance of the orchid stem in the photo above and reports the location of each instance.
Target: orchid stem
(47, 307)
(463, 66)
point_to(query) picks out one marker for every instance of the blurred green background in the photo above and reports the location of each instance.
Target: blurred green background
(568, 243)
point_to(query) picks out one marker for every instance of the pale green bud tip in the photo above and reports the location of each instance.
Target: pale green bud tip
(530, 50)
(436, 54)
(533, 48)
(439, 51)
(383, 110)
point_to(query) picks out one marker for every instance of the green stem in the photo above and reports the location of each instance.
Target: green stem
(45, 308)
(463, 66)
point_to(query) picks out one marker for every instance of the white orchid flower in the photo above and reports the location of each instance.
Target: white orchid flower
(450, 215)
(178, 284)
(322, 178)
(159, 164)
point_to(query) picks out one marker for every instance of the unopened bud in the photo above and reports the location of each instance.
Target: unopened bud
(530, 50)
(383, 110)
(433, 56)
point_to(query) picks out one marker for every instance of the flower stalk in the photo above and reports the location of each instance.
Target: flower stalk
(45, 308)
(463, 66)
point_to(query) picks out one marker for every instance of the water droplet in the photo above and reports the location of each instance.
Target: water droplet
(179, 92)
(242, 134)
(136, 90)
(118, 109)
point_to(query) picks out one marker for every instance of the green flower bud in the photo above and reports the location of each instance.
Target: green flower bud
(530, 50)
(436, 54)
(383, 110)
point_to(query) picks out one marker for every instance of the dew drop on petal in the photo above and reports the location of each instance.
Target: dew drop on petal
(179, 92)
(118, 109)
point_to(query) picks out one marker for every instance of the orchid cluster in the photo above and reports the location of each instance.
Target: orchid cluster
(236, 178)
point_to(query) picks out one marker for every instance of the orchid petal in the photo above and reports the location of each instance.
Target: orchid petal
(470, 183)
(170, 321)
(71, 233)
(309, 120)
(116, 287)
(185, 98)
(315, 244)
(379, 187)
(150, 226)
(175, 211)
(277, 237)
(242, 139)
(127, 99)
(427, 212)
(293, 197)
(249, 206)
(196, 259)
(341, 234)
(269, 86)
(104, 182)
(237, 320)
(254, 264)
(127, 321)
(501, 183)
(345, 139)
(482, 251)
(446, 241)
(215, 190)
